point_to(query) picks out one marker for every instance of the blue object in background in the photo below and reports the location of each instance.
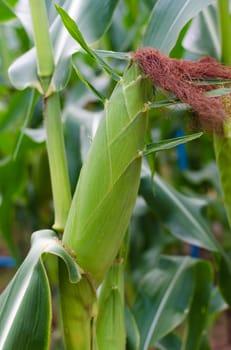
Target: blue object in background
(181, 152)
(183, 165)
(7, 261)
(194, 251)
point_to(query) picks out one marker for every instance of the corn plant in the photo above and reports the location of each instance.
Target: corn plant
(89, 253)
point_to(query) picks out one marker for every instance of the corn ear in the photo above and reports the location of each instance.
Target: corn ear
(110, 323)
(109, 180)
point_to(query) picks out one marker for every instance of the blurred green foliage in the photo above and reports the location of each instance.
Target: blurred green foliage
(179, 208)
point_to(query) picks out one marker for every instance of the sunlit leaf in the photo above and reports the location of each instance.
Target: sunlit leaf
(25, 305)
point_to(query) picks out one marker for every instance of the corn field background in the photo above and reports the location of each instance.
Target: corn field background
(115, 199)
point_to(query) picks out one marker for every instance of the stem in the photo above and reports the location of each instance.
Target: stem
(225, 30)
(222, 145)
(78, 309)
(57, 161)
(45, 60)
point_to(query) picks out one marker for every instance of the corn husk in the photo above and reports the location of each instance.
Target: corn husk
(106, 192)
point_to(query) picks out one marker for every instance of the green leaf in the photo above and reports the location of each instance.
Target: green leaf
(199, 311)
(25, 305)
(132, 331)
(6, 223)
(12, 117)
(167, 19)
(74, 31)
(209, 173)
(202, 37)
(6, 12)
(92, 22)
(181, 214)
(217, 302)
(72, 135)
(30, 106)
(164, 103)
(12, 177)
(162, 303)
(224, 275)
(168, 144)
(84, 80)
(113, 54)
(175, 102)
(23, 72)
(219, 92)
(171, 341)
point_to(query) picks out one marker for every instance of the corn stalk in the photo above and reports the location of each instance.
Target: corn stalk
(222, 145)
(52, 115)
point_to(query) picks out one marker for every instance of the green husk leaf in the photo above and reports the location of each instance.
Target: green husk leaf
(109, 180)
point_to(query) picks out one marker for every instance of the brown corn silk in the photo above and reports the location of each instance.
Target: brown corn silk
(181, 77)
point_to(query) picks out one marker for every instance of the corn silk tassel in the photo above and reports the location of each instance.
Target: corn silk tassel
(108, 184)
(182, 78)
